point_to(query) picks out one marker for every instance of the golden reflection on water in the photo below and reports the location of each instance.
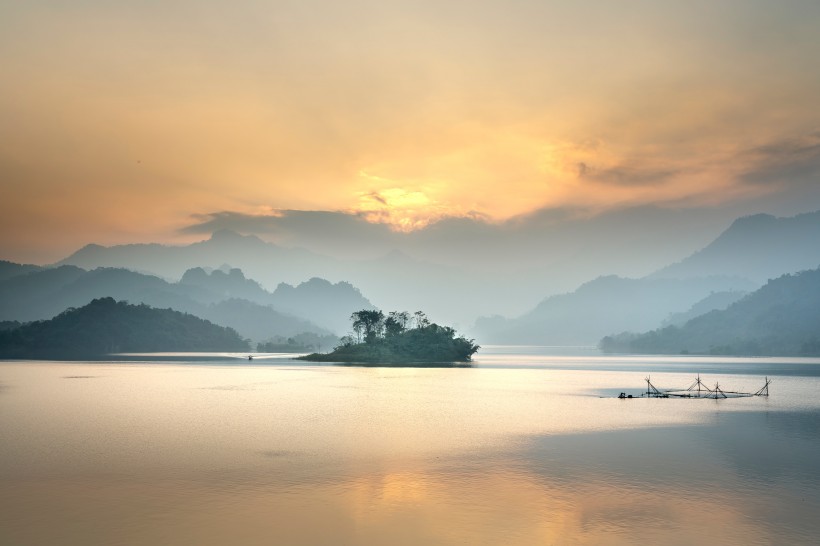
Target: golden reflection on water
(407, 507)
(164, 454)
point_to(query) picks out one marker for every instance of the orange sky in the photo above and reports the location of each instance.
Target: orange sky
(121, 122)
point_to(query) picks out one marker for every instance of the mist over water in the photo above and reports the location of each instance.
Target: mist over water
(521, 448)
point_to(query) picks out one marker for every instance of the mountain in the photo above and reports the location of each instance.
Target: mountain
(460, 269)
(601, 306)
(257, 322)
(329, 305)
(326, 304)
(255, 256)
(220, 285)
(758, 247)
(395, 280)
(782, 318)
(37, 295)
(319, 301)
(743, 257)
(11, 269)
(43, 294)
(712, 302)
(105, 326)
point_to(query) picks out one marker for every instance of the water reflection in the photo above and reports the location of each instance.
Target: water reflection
(166, 454)
(407, 505)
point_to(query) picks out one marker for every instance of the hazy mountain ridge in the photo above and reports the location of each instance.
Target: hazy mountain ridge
(43, 294)
(254, 256)
(11, 269)
(600, 305)
(758, 247)
(440, 268)
(437, 286)
(782, 318)
(742, 255)
(221, 285)
(737, 260)
(713, 302)
(105, 326)
(317, 300)
(329, 305)
(257, 322)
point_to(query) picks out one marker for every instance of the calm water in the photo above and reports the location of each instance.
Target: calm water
(522, 448)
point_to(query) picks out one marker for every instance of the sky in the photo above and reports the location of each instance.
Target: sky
(153, 121)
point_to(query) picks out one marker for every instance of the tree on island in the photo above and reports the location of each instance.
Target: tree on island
(389, 339)
(368, 322)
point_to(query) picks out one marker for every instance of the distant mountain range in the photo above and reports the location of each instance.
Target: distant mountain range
(599, 306)
(324, 303)
(782, 318)
(226, 298)
(396, 281)
(105, 326)
(251, 253)
(752, 250)
(749, 252)
(758, 247)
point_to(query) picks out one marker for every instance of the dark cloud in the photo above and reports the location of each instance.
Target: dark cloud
(234, 221)
(330, 232)
(787, 162)
(376, 196)
(626, 175)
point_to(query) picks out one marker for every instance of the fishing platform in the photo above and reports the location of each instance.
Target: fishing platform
(698, 389)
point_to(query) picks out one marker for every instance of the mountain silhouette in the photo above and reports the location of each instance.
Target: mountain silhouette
(105, 326)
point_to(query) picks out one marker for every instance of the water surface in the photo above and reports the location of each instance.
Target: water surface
(521, 448)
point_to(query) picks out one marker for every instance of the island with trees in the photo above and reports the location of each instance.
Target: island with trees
(398, 338)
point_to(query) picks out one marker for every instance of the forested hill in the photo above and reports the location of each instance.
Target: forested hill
(106, 326)
(780, 319)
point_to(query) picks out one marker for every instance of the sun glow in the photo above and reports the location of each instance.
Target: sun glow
(403, 209)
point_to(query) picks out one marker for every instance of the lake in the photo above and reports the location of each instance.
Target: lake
(530, 445)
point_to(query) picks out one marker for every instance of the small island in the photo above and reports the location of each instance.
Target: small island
(398, 338)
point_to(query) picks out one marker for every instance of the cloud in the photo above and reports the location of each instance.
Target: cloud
(330, 232)
(536, 237)
(119, 108)
(233, 221)
(786, 162)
